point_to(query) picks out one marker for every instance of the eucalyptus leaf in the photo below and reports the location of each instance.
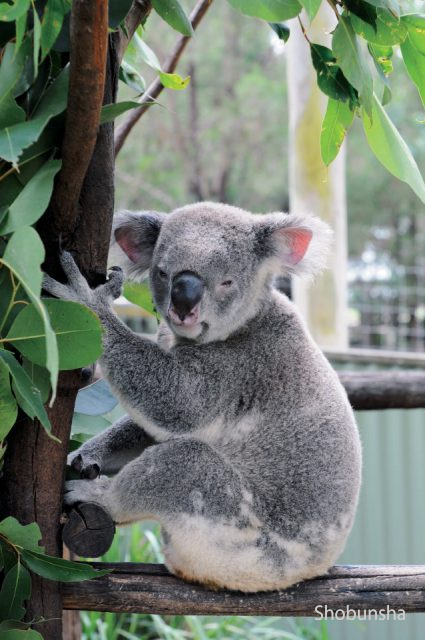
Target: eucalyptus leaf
(10, 112)
(59, 569)
(11, 68)
(20, 634)
(51, 23)
(23, 256)
(392, 5)
(415, 65)
(353, 62)
(337, 121)
(77, 329)
(10, 12)
(16, 138)
(131, 77)
(330, 78)
(111, 111)
(88, 425)
(95, 399)
(36, 39)
(311, 7)
(8, 406)
(390, 148)
(388, 29)
(139, 293)
(20, 26)
(281, 30)
(40, 378)
(16, 588)
(33, 200)
(173, 13)
(415, 25)
(33, 404)
(25, 536)
(118, 10)
(269, 10)
(173, 81)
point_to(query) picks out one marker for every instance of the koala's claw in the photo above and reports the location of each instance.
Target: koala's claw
(115, 282)
(88, 469)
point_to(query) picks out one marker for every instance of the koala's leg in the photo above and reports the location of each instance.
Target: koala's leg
(211, 534)
(109, 451)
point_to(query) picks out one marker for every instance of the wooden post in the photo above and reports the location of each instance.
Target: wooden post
(314, 188)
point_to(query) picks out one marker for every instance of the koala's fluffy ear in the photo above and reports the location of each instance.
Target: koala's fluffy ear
(136, 234)
(293, 243)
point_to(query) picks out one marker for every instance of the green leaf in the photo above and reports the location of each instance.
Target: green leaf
(131, 77)
(58, 569)
(8, 406)
(392, 5)
(23, 256)
(111, 111)
(16, 588)
(77, 328)
(353, 62)
(173, 81)
(330, 78)
(26, 536)
(11, 68)
(20, 634)
(118, 10)
(10, 113)
(40, 378)
(7, 556)
(270, 10)
(51, 23)
(96, 399)
(21, 26)
(14, 625)
(281, 30)
(139, 294)
(415, 65)
(363, 10)
(10, 12)
(415, 25)
(88, 425)
(337, 121)
(311, 7)
(388, 31)
(390, 148)
(33, 405)
(36, 40)
(33, 200)
(144, 53)
(172, 12)
(16, 138)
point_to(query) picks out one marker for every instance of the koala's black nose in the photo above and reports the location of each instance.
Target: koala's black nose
(186, 292)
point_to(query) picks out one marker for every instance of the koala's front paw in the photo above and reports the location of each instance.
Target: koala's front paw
(77, 491)
(85, 465)
(77, 289)
(113, 286)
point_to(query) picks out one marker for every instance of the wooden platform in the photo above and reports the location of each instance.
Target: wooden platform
(150, 588)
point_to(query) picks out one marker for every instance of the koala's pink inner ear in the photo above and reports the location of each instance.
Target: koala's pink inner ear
(125, 239)
(297, 241)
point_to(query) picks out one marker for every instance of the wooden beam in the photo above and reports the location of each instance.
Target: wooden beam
(150, 588)
(368, 390)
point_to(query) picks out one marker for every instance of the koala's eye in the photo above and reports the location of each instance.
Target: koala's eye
(162, 274)
(227, 283)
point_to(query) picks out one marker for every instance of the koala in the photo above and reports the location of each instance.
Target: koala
(239, 438)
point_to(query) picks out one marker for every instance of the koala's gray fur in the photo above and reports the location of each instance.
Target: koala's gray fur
(240, 440)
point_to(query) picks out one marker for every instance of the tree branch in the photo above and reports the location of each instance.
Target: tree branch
(89, 46)
(156, 87)
(139, 11)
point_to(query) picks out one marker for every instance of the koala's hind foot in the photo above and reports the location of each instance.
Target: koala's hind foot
(77, 288)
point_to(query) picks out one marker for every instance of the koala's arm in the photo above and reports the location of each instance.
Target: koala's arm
(177, 390)
(109, 451)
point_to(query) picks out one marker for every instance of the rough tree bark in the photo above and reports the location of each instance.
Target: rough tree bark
(79, 218)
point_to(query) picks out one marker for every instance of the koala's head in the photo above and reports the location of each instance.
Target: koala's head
(210, 265)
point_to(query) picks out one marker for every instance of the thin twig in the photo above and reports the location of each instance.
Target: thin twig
(156, 87)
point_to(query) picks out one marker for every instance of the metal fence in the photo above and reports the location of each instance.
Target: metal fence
(387, 306)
